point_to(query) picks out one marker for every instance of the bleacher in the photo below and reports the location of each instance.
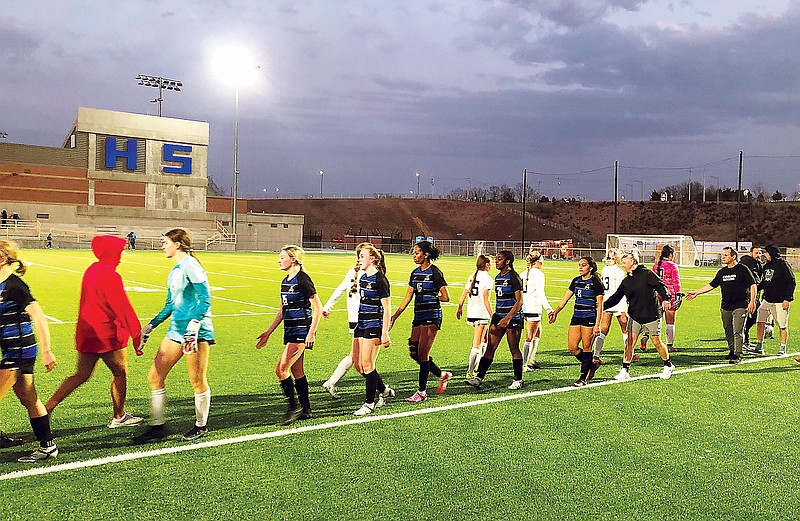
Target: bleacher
(32, 234)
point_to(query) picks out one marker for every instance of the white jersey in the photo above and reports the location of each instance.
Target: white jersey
(612, 277)
(476, 308)
(349, 282)
(533, 296)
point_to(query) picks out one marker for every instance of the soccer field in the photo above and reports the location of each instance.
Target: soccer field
(713, 442)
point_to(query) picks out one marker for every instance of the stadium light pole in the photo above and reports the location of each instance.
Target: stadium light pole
(160, 83)
(235, 66)
(417, 184)
(321, 180)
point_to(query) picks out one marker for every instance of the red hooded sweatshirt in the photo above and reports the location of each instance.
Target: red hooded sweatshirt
(106, 319)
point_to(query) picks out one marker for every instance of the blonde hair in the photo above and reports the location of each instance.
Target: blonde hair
(380, 261)
(357, 267)
(9, 250)
(296, 253)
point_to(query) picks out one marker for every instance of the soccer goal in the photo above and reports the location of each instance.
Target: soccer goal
(649, 247)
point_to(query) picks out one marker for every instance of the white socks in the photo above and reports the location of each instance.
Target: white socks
(474, 356)
(526, 352)
(670, 334)
(341, 369)
(202, 404)
(158, 402)
(598, 344)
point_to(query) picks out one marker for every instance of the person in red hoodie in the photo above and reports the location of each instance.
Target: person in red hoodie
(106, 321)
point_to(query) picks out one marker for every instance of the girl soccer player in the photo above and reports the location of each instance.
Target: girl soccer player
(506, 320)
(349, 285)
(372, 329)
(300, 312)
(533, 299)
(668, 271)
(191, 333)
(612, 277)
(585, 324)
(21, 315)
(479, 309)
(428, 287)
(106, 320)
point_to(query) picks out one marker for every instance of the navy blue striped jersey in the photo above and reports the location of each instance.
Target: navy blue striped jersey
(426, 286)
(16, 328)
(372, 289)
(586, 293)
(296, 294)
(505, 288)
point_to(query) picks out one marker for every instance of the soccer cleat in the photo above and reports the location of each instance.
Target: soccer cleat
(515, 385)
(671, 349)
(446, 376)
(293, 413)
(730, 356)
(667, 372)
(782, 351)
(598, 361)
(475, 382)
(417, 397)
(332, 390)
(526, 368)
(634, 358)
(194, 433)
(735, 360)
(153, 433)
(306, 415)
(7, 441)
(754, 350)
(623, 375)
(579, 383)
(42, 453)
(535, 365)
(388, 392)
(127, 420)
(797, 359)
(364, 410)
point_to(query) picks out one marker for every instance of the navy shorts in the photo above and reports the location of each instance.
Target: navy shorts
(23, 365)
(370, 332)
(585, 322)
(428, 322)
(515, 323)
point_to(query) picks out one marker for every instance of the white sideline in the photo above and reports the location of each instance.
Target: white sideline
(37, 471)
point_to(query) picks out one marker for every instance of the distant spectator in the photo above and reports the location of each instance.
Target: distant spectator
(131, 240)
(15, 217)
(4, 218)
(49, 243)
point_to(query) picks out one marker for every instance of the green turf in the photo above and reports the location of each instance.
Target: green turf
(711, 444)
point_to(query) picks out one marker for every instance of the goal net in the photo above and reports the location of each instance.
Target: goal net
(649, 247)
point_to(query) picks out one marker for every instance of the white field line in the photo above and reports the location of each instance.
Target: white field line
(75, 465)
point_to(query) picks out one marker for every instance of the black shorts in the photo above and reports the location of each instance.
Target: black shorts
(515, 323)
(23, 365)
(352, 326)
(370, 332)
(585, 322)
(428, 322)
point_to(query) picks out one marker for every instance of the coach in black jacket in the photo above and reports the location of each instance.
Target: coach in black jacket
(778, 285)
(640, 288)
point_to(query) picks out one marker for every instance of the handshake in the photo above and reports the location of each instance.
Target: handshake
(189, 338)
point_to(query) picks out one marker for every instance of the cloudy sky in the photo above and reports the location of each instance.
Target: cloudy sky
(466, 92)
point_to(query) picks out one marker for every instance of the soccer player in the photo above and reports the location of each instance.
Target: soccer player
(533, 299)
(372, 329)
(106, 321)
(611, 276)
(585, 324)
(667, 270)
(778, 286)
(642, 288)
(738, 289)
(21, 315)
(349, 285)
(429, 289)
(190, 333)
(753, 262)
(300, 312)
(506, 320)
(479, 309)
